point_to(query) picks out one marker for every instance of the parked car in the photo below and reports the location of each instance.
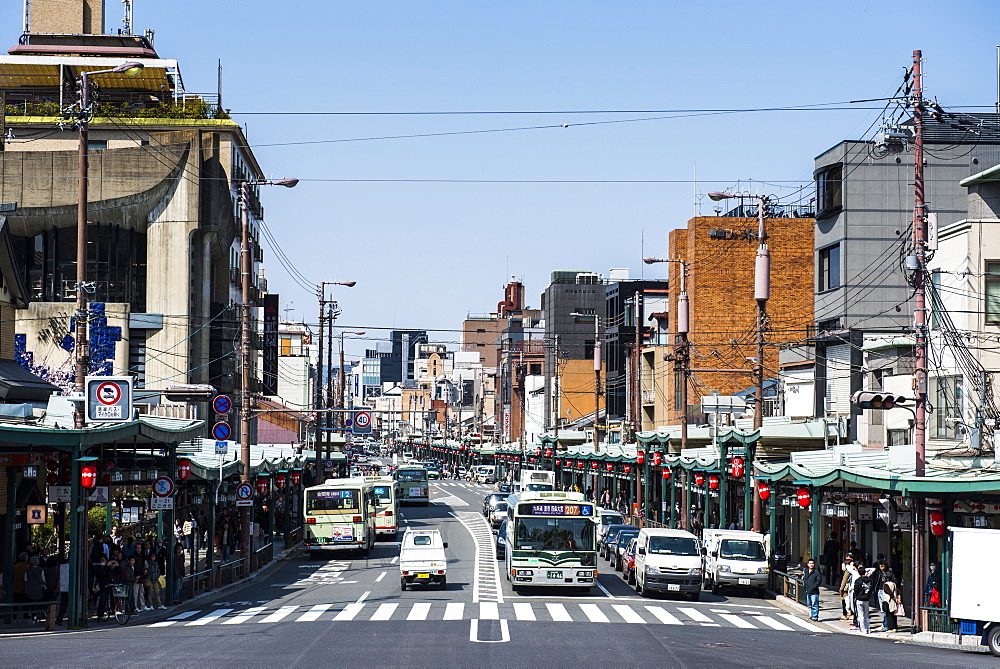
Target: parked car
(501, 540)
(604, 547)
(498, 514)
(618, 545)
(433, 474)
(628, 562)
(505, 488)
(491, 500)
(608, 518)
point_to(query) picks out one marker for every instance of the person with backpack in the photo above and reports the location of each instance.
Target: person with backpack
(863, 591)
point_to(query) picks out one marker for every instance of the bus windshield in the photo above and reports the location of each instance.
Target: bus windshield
(383, 494)
(411, 475)
(332, 500)
(554, 534)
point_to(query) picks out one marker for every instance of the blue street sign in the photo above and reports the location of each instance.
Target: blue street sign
(221, 431)
(221, 447)
(348, 422)
(222, 404)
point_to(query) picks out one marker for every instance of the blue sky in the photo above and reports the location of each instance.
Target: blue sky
(426, 254)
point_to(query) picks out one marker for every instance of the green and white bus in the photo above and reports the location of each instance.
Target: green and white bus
(412, 485)
(340, 515)
(551, 540)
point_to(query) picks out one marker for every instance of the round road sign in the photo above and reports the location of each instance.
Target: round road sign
(109, 394)
(244, 491)
(222, 404)
(362, 419)
(221, 431)
(163, 486)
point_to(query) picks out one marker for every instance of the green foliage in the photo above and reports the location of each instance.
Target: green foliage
(188, 109)
(44, 535)
(96, 518)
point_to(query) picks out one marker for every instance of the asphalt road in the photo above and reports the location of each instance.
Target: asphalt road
(349, 610)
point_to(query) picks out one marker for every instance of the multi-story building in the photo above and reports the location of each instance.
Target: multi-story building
(163, 213)
(295, 365)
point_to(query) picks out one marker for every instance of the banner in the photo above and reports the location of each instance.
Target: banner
(270, 346)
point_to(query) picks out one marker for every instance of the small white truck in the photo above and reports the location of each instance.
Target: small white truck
(975, 590)
(422, 559)
(734, 558)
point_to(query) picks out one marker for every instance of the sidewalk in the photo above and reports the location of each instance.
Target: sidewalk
(280, 553)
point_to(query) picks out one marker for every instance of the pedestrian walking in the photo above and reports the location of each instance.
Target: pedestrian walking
(153, 578)
(178, 574)
(831, 558)
(932, 587)
(128, 580)
(811, 581)
(34, 580)
(846, 599)
(863, 590)
(889, 597)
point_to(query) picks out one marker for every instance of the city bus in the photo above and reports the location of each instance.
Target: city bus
(412, 485)
(386, 506)
(340, 515)
(551, 540)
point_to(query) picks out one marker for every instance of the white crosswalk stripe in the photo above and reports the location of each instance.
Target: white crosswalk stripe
(620, 612)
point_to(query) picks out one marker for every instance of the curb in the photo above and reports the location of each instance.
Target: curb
(158, 616)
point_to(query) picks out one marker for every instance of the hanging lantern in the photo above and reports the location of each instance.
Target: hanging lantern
(262, 485)
(105, 478)
(937, 523)
(532, 459)
(699, 479)
(713, 482)
(109, 465)
(548, 452)
(666, 474)
(296, 476)
(594, 465)
(804, 498)
(538, 450)
(279, 481)
(763, 490)
(579, 463)
(736, 470)
(88, 476)
(183, 468)
(52, 465)
(640, 457)
(628, 469)
(610, 467)
(52, 478)
(67, 476)
(657, 458)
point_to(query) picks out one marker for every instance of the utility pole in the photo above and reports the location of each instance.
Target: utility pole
(320, 375)
(754, 517)
(637, 381)
(331, 316)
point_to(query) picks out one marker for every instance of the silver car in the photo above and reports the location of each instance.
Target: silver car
(498, 514)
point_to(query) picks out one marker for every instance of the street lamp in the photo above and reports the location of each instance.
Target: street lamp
(598, 364)
(245, 418)
(81, 344)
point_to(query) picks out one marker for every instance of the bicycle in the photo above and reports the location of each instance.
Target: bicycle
(119, 603)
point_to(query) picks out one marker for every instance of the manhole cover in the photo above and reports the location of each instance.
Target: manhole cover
(716, 644)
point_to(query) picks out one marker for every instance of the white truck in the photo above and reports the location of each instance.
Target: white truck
(975, 590)
(537, 480)
(734, 558)
(422, 560)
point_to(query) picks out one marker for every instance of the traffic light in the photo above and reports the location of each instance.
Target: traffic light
(868, 400)
(190, 392)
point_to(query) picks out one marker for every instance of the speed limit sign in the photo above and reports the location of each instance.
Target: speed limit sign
(362, 422)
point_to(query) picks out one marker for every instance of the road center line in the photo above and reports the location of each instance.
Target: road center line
(381, 576)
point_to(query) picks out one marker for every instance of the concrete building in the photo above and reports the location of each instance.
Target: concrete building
(162, 209)
(295, 365)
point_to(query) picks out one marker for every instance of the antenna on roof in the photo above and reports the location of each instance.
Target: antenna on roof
(27, 16)
(127, 19)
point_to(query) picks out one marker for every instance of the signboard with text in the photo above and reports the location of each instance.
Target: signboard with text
(269, 353)
(108, 399)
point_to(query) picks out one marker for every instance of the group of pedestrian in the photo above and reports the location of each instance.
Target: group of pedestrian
(137, 564)
(35, 577)
(863, 588)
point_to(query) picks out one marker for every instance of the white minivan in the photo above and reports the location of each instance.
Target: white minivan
(484, 473)
(667, 561)
(735, 558)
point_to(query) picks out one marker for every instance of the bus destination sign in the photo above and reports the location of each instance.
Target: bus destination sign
(556, 510)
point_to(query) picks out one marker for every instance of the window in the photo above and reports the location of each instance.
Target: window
(828, 272)
(97, 144)
(898, 437)
(992, 281)
(829, 189)
(948, 407)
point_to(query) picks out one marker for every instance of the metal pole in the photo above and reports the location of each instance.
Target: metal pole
(245, 418)
(597, 379)
(320, 373)
(342, 395)
(328, 421)
(762, 292)
(81, 346)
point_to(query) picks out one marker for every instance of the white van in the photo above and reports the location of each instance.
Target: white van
(608, 517)
(667, 561)
(484, 473)
(735, 558)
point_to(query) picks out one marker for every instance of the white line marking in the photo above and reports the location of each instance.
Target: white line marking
(695, 615)
(710, 624)
(802, 623)
(772, 623)
(558, 612)
(474, 632)
(739, 621)
(244, 616)
(385, 611)
(314, 613)
(523, 611)
(214, 615)
(489, 611)
(603, 590)
(381, 576)
(278, 615)
(663, 615)
(175, 619)
(594, 614)
(627, 614)
(350, 612)
(454, 611)
(419, 611)
(394, 560)
(363, 597)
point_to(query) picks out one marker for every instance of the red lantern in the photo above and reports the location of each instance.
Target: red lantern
(736, 470)
(628, 469)
(52, 479)
(296, 477)
(538, 450)
(105, 479)
(279, 481)
(548, 452)
(579, 463)
(183, 468)
(262, 485)
(88, 476)
(52, 465)
(109, 465)
(699, 479)
(657, 458)
(557, 463)
(610, 467)
(67, 476)
(532, 459)
(713, 482)
(666, 474)
(593, 465)
(640, 457)
(763, 490)
(937, 523)
(804, 497)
